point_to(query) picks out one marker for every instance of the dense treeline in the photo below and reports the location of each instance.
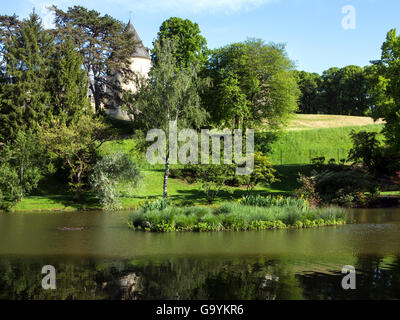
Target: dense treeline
(345, 91)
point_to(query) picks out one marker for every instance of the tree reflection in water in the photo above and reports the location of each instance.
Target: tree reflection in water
(239, 278)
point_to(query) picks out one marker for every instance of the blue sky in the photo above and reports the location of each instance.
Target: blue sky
(311, 29)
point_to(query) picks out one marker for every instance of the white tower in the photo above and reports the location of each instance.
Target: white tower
(140, 64)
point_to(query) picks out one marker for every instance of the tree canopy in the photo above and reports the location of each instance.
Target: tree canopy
(387, 88)
(252, 83)
(191, 46)
(102, 41)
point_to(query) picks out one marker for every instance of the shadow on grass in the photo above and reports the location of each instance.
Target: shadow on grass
(55, 193)
(288, 175)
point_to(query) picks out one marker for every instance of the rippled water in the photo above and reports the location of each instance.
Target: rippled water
(106, 260)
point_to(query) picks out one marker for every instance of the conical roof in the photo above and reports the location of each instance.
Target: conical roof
(140, 51)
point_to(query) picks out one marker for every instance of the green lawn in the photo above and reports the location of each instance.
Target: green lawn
(291, 154)
(300, 146)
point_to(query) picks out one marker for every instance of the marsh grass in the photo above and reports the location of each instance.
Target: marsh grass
(234, 217)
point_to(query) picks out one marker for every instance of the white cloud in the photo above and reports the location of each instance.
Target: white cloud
(40, 7)
(228, 6)
(193, 6)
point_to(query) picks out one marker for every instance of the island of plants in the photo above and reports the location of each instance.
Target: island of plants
(247, 214)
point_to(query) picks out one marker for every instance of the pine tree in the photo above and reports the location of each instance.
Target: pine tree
(25, 100)
(68, 84)
(103, 44)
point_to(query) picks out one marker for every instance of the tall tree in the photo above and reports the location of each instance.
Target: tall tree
(25, 100)
(387, 89)
(310, 86)
(253, 80)
(330, 91)
(104, 44)
(344, 91)
(169, 95)
(353, 91)
(68, 83)
(191, 45)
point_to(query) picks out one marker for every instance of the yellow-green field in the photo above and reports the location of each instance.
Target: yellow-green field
(319, 121)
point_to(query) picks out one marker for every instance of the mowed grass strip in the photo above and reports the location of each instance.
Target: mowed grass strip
(318, 121)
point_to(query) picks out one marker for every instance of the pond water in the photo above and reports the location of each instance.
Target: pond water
(106, 260)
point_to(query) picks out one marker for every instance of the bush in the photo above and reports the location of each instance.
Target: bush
(22, 165)
(215, 178)
(346, 187)
(109, 175)
(263, 173)
(368, 151)
(366, 148)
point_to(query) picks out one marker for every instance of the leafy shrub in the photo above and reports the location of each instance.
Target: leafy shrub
(110, 174)
(215, 178)
(366, 148)
(308, 189)
(22, 165)
(344, 187)
(263, 173)
(368, 151)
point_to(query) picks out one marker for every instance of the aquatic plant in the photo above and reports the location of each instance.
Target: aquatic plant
(232, 216)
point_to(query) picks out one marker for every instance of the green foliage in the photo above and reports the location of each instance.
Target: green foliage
(25, 100)
(214, 178)
(252, 84)
(217, 178)
(69, 83)
(339, 91)
(345, 187)
(365, 148)
(378, 159)
(263, 173)
(386, 89)
(169, 95)
(275, 201)
(109, 175)
(22, 164)
(10, 187)
(103, 42)
(158, 204)
(234, 217)
(76, 145)
(310, 86)
(191, 45)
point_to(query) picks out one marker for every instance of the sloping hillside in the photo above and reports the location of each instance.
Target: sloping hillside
(318, 121)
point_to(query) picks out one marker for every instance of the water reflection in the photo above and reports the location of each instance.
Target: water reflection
(106, 260)
(244, 278)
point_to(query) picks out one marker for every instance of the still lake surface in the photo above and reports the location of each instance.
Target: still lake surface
(107, 260)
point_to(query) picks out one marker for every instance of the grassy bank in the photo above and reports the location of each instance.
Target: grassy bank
(291, 154)
(300, 146)
(235, 217)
